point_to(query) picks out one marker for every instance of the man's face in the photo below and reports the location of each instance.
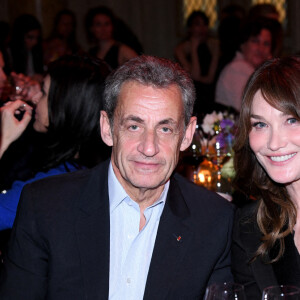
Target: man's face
(148, 133)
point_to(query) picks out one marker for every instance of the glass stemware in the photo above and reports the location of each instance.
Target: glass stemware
(18, 87)
(225, 291)
(281, 292)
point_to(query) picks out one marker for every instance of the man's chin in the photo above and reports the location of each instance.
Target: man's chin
(147, 184)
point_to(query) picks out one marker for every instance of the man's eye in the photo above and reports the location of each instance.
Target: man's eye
(133, 127)
(166, 130)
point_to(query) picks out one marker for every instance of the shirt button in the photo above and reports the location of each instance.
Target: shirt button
(128, 281)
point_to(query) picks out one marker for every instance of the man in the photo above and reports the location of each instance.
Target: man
(127, 229)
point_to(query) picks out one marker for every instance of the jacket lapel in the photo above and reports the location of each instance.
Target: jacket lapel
(92, 228)
(172, 242)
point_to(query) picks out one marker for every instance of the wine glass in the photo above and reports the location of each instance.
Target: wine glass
(18, 87)
(280, 292)
(225, 291)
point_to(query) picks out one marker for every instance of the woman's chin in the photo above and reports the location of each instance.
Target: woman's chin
(37, 126)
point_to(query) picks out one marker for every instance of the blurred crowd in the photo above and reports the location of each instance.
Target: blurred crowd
(220, 63)
(220, 66)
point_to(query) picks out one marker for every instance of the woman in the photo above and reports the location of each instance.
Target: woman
(199, 55)
(256, 44)
(68, 112)
(266, 238)
(62, 39)
(26, 47)
(100, 25)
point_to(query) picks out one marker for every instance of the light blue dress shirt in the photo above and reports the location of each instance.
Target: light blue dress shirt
(130, 249)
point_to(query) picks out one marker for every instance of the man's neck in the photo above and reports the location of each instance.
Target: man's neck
(144, 197)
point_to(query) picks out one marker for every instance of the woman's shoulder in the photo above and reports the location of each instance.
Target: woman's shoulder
(184, 46)
(237, 67)
(125, 53)
(124, 47)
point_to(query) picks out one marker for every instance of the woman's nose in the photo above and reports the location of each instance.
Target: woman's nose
(276, 140)
(36, 97)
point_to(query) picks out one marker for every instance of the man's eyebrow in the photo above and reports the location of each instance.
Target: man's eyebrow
(168, 121)
(133, 118)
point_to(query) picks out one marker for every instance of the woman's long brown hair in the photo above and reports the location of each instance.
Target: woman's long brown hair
(279, 82)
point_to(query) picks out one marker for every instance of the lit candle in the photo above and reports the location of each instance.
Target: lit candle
(201, 177)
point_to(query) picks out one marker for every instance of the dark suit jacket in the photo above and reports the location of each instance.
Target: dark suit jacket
(59, 247)
(259, 274)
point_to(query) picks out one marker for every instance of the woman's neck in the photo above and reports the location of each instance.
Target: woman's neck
(105, 44)
(103, 48)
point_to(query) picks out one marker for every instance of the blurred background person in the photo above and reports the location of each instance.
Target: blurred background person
(124, 34)
(67, 113)
(268, 10)
(256, 44)
(231, 19)
(3, 77)
(199, 55)
(266, 234)
(4, 44)
(100, 26)
(26, 47)
(62, 39)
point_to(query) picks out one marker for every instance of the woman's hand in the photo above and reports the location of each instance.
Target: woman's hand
(11, 127)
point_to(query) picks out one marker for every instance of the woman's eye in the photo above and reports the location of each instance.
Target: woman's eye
(258, 125)
(292, 120)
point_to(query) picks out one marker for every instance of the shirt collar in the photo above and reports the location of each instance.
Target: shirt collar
(117, 193)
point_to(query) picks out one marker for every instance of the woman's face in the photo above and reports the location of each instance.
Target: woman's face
(275, 141)
(41, 122)
(258, 48)
(102, 27)
(198, 28)
(31, 38)
(65, 25)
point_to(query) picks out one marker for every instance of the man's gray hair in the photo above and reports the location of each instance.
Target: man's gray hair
(149, 71)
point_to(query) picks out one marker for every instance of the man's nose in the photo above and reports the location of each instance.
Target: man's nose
(148, 145)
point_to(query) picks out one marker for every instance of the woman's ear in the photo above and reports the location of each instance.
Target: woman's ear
(105, 129)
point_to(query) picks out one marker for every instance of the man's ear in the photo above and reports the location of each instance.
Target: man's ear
(189, 134)
(105, 129)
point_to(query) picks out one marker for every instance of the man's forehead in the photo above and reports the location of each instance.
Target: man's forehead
(143, 85)
(171, 103)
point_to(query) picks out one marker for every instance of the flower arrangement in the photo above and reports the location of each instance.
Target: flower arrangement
(220, 125)
(215, 137)
(219, 128)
